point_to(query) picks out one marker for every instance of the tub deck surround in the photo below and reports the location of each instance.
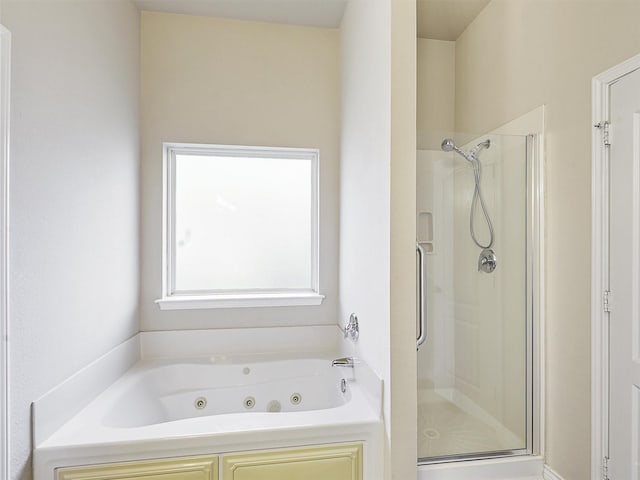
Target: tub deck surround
(103, 432)
(190, 343)
(62, 402)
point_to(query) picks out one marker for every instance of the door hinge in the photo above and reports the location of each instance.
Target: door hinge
(605, 468)
(605, 126)
(606, 301)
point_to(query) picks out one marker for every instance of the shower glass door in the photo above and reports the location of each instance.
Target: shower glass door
(474, 368)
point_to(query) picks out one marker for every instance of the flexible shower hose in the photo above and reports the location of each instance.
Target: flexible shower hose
(477, 195)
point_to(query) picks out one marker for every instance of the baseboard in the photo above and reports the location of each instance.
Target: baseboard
(549, 474)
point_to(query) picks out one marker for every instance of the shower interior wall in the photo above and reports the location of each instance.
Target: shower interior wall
(475, 349)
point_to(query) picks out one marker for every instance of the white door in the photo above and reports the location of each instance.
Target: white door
(624, 319)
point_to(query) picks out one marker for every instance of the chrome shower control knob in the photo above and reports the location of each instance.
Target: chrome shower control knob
(487, 261)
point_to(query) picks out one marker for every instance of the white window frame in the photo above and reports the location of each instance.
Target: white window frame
(172, 300)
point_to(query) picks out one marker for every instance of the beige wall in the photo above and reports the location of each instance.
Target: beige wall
(365, 187)
(377, 225)
(513, 58)
(73, 197)
(403, 238)
(364, 180)
(208, 80)
(436, 64)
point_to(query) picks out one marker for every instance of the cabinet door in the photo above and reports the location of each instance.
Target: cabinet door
(333, 462)
(191, 468)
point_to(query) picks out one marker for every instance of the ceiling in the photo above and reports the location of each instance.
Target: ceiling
(314, 13)
(437, 19)
(446, 19)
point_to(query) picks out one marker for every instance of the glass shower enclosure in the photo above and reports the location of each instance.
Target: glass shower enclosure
(474, 318)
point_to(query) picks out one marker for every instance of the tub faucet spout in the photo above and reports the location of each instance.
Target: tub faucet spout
(343, 362)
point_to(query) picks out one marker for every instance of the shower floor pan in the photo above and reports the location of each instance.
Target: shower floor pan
(451, 426)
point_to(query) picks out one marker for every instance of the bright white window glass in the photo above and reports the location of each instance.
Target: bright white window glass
(242, 223)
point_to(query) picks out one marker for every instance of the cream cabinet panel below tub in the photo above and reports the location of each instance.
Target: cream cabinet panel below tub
(185, 468)
(334, 462)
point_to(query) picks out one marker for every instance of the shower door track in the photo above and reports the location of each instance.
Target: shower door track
(466, 457)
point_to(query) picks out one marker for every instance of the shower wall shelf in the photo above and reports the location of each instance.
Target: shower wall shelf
(424, 231)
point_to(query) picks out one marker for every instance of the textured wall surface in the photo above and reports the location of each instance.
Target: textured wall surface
(73, 193)
(435, 92)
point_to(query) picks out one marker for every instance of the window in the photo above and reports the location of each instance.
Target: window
(240, 226)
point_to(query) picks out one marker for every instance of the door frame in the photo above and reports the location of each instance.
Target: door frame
(5, 62)
(600, 263)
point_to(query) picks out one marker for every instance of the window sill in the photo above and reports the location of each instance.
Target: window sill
(186, 302)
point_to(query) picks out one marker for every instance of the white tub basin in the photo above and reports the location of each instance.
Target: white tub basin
(153, 394)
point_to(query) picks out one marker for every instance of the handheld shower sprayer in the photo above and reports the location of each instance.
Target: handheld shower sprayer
(449, 145)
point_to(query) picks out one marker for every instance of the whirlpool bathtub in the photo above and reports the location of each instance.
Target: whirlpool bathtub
(173, 407)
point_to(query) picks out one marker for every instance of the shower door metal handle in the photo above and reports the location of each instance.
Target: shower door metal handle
(422, 296)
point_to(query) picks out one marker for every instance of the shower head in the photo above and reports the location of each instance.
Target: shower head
(448, 145)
